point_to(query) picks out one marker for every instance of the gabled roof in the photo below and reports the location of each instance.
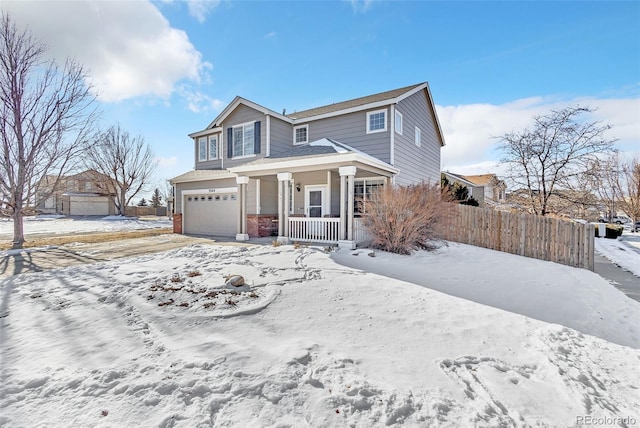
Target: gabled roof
(356, 102)
(460, 178)
(475, 180)
(239, 100)
(482, 179)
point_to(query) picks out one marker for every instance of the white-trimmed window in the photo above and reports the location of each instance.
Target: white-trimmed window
(243, 140)
(213, 147)
(418, 137)
(365, 190)
(398, 122)
(301, 134)
(376, 121)
(202, 149)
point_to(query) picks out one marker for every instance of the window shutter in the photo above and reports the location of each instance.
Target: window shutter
(229, 143)
(256, 137)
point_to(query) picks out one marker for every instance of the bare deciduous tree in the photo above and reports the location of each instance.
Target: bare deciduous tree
(127, 161)
(45, 114)
(617, 183)
(630, 200)
(552, 157)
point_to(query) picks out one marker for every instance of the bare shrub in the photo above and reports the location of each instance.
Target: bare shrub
(404, 219)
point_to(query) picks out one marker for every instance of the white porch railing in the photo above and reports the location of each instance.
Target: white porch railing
(314, 229)
(360, 233)
(323, 230)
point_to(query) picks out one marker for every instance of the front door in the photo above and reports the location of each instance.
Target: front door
(314, 207)
(314, 201)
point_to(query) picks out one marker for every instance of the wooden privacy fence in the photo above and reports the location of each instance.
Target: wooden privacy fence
(544, 238)
(142, 211)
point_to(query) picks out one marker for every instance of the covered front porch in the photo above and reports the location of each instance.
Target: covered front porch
(315, 199)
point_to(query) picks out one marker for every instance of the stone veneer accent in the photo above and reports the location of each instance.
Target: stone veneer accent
(177, 223)
(260, 225)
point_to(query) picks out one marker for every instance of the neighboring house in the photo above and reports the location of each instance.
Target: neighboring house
(79, 194)
(487, 189)
(300, 176)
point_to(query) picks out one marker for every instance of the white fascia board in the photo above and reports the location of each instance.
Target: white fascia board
(451, 176)
(310, 163)
(239, 100)
(411, 92)
(205, 132)
(435, 114)
(225, 112)
(196, 179)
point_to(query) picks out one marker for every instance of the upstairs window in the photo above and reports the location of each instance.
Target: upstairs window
(243, 140)
(202, 149)
(301, 134)
(418, 137)
(213, 147)
(398, 122)
(376, 121)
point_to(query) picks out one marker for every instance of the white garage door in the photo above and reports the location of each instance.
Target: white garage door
(88, 205)
(212, 214)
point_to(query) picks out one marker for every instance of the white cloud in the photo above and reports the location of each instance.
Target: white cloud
(200, 9)
(360, 6)
(271, 35)
(164, 162)
(198, 102)
(128, 47)
(469, 130)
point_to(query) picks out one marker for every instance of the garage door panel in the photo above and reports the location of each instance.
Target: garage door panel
(211, 214)
(89, 205)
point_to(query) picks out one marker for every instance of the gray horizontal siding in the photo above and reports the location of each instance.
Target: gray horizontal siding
(351, 129)
(209, 164)
(281, 136)
(244, 114)
(415, 163)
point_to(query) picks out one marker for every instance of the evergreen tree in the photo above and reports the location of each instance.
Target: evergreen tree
(143, 203)
(156, 198)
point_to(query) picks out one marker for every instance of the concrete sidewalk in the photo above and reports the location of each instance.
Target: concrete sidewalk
(35, 260)
(623, 280)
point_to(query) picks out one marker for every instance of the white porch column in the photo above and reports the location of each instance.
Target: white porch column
(349, 173)
(343, 219)
(283, 206)
(350, 195)
(243, 183)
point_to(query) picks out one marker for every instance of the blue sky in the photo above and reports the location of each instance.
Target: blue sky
(164, 69)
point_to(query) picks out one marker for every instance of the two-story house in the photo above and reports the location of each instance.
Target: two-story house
(301, 176)
(84, 193)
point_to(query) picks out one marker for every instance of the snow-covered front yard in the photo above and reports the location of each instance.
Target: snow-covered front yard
(159, 340)
(66, 225)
